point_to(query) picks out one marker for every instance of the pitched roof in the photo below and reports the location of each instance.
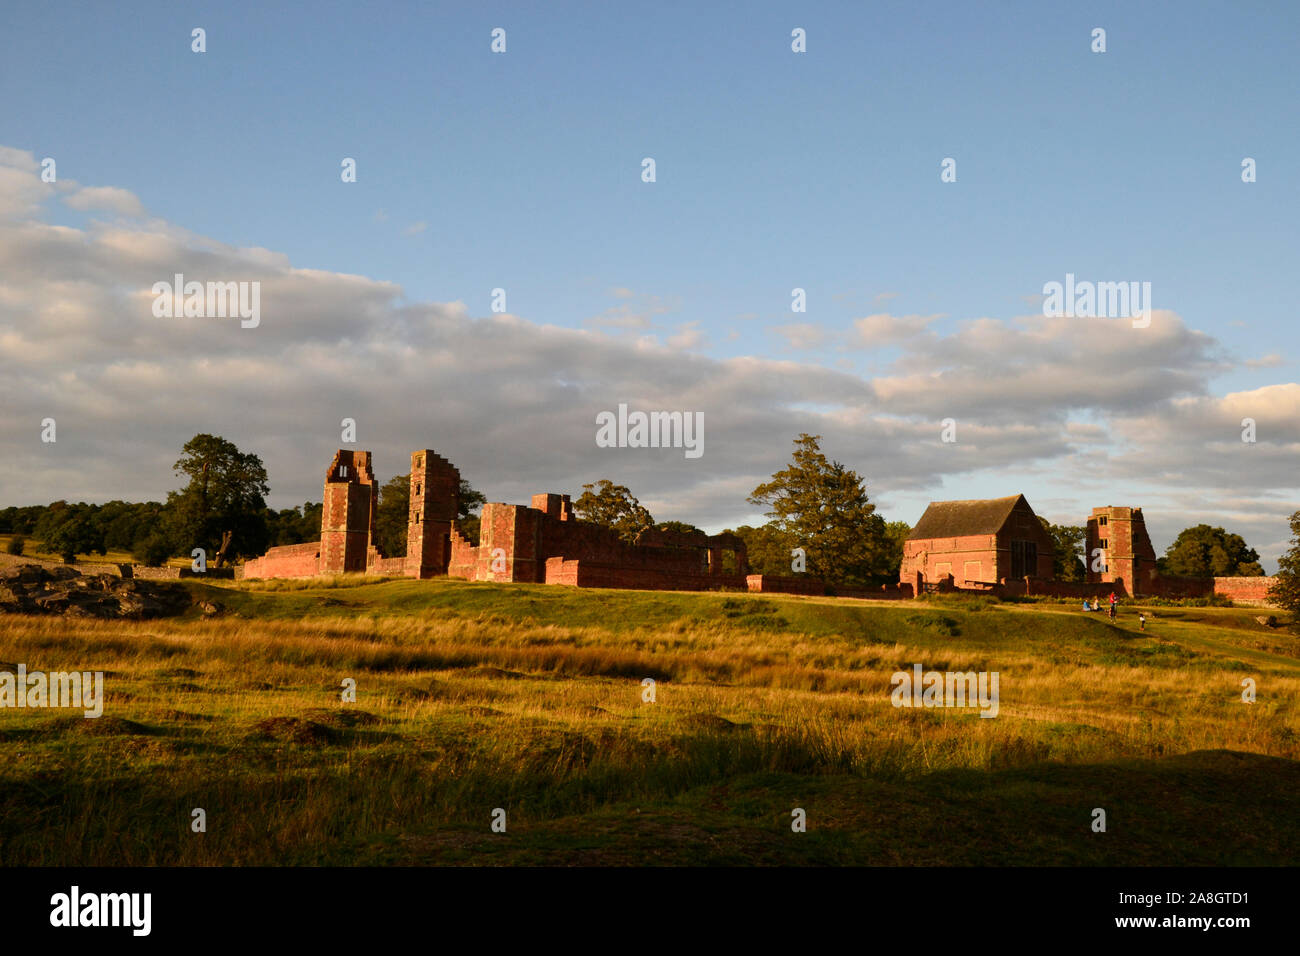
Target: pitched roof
(954, 519)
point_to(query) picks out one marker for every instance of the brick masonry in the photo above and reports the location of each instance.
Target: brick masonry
(541, 542)
(1116, 535)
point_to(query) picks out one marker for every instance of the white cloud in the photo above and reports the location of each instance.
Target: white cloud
(1082, 404)
(108, 198)
(884, 329)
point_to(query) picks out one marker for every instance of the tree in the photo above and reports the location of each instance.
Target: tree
(613, 506)
(822, 507)
(1067, 557)
(679, 527)
(126, 525)
(392, 516)
(1205, 552)
(1285, 592)
(896, 533)
(225, 493)
(294, 525)
(767, 549)
(152, 551)
(467, 520)
(16, 544)
(69, 530)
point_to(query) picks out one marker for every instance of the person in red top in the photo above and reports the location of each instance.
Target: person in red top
(1112, 604)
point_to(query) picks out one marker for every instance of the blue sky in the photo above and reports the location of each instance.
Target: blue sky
(775, 170)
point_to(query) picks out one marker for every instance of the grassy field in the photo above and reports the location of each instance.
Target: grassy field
(529, 698)
(35, 548)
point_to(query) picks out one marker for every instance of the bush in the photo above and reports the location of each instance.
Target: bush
(152, 551)
(16, 544)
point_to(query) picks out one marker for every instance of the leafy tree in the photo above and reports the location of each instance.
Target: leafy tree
(69, 530)
(1285, 592)
(1205, 552)
(392, 517)
(1067, 557)
(679, 527)
(613, 506)
(294, 525)
(20, 520)
(767, 549)
(126, 525)
(226, 492)
(896, 533)
(823, 508)
(153, 550)
(467, 521)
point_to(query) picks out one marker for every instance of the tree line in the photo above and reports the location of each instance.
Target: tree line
(221, 508)
(815, 505)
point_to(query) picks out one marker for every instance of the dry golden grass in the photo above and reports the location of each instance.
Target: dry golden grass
(460, 711)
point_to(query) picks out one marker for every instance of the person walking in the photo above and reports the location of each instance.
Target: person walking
(1112, 605)
(1142, 621)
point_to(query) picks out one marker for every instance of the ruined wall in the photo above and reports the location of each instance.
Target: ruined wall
(544, 544)
(1245, 590)
(348, 515)
(435, 503)
(590, 574)
(1130, 559)
(287, 561)
(785, 584)
(159, 574)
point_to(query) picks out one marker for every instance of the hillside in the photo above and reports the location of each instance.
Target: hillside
(472, 697)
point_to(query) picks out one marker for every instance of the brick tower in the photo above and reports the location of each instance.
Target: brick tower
(1129, 558)
(348, 515)
(435, 502)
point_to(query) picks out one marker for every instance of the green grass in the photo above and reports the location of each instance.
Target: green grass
(529, 698)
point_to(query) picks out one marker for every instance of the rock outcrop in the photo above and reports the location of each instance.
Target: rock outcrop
(34, 589)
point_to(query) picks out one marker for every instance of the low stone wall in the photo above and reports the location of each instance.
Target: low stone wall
(392, 567)
(591, 574)
(1078, 589)
(785, 584)
(154, 574)
(886, 592)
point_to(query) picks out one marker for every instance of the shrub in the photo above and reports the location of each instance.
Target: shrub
(152, 551)
(16, 544)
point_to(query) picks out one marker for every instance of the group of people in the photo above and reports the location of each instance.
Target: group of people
(1096, 606)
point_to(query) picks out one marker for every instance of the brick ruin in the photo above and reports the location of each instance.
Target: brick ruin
(1129, 557)
(541, 542)
(1115, 535)
(1001, 546)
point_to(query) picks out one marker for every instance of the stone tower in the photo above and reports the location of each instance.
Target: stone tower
(1127, 553)
(435, 502)
(348, 514)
